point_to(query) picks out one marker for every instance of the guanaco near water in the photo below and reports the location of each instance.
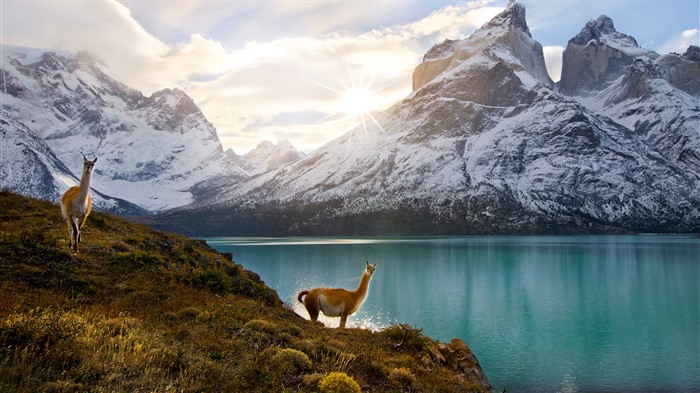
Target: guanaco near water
(76, 204)
(337, 302)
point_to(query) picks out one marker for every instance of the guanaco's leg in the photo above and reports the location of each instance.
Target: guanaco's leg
(82, 222)
(70, 233)
(312, 306)
(76, 233)
(343, 318)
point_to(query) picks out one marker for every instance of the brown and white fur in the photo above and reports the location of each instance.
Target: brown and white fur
(337, 302)
(76, 204)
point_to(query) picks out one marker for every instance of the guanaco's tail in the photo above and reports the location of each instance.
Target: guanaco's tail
(301, 295)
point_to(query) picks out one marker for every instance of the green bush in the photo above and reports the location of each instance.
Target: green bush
(260, 325)
(336, 382)
(402, 377)
(213, 280)
(290, 362)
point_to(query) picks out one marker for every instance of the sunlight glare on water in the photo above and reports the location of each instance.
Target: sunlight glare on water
(374, 321)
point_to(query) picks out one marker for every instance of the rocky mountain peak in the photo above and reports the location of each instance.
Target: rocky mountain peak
(596, 56)
(175, 100)
(513, 15)
(505, 39)
(266, 156)
(441, 50)
(601, 29)
(692, 54)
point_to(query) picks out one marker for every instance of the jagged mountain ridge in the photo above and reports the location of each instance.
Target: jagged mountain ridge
(265, 157)
(484, 144)
(155, 152)
(655, 96)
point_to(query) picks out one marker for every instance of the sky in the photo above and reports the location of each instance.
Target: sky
(306, 71)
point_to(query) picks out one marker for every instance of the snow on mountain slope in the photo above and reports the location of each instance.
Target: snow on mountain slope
(666, 117)
(154, 151)
(29, 167)
(266, 157)
(484, 146)
(654, 96)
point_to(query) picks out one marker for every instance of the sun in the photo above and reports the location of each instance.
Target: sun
(358, 101)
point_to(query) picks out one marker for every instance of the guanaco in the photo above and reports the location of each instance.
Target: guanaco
(337, 302)
(76, 204)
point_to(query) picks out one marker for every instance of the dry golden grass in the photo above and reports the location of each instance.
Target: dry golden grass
(144, 311)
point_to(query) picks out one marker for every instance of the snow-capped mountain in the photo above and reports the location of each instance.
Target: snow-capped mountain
(155, 152)
(38, 173)
(652, 95)
(266, 157)
(484, 144)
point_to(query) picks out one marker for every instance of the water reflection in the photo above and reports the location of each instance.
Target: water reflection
(549, 314)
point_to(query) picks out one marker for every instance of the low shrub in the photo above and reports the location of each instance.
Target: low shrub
(402, 377)
(337, 382)
(290, 362)
(260, 325)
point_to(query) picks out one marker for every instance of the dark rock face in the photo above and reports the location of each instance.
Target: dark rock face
(597, 55)
(692, 54)
(682, 71)
(597, 29)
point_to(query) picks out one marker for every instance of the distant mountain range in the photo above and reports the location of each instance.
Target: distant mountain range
(266, 157)
(485, 143)
(155, 152)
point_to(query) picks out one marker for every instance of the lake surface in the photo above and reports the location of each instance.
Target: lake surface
(542, 314)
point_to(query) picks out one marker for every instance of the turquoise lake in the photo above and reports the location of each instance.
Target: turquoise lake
(541, 313)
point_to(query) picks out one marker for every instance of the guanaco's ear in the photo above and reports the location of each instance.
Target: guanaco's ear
(84, 158)
(375, 263)
(367, 263)
(95, 160)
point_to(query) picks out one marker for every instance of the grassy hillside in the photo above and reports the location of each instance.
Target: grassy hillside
(143, 311)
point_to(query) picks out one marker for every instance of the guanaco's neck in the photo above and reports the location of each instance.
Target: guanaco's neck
(84, 186)
(364, 284)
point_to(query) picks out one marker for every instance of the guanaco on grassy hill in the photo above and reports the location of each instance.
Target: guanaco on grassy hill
(143, 311)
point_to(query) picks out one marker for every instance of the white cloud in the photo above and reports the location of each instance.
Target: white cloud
(104, 28)
(300, 75)
(553, 60)
(259, 90)
(681, 42)
(290, 75)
